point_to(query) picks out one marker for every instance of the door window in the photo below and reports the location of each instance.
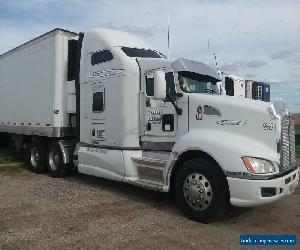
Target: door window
(170, 88)
(149, 86)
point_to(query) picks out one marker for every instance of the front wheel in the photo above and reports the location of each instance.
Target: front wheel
(201, 190)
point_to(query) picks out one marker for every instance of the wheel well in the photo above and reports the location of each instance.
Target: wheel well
(192, 154)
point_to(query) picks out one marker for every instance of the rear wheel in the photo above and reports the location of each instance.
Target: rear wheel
(201, 190)
(56, 166)
(35, 156)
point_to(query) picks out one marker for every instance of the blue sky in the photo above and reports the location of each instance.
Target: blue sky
(254, 39)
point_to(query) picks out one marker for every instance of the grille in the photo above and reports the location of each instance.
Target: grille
(288, 157)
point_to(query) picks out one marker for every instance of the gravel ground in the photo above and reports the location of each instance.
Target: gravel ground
(83, 212)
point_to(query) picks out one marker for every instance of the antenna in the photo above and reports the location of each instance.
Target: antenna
(208, 50)
(168, 36)
(216, 61)
(217, 69)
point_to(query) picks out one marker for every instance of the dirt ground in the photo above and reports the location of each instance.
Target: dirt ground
(83, 212)
(297, 118)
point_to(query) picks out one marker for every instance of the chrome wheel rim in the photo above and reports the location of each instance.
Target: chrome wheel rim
(54, 159)
(197, 191)
(34, 156)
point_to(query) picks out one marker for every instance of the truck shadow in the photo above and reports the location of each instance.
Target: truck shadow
(157, 200)
(161, 201)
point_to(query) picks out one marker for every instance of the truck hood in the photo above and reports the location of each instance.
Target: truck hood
(233, 115)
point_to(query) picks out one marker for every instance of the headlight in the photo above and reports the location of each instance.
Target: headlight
(258, 166)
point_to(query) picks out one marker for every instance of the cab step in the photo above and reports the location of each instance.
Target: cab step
(149, 161)
(147, 184)
(150, 170)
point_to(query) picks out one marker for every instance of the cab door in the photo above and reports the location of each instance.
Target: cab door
(158, 119)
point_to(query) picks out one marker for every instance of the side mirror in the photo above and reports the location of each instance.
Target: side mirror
(159, 85)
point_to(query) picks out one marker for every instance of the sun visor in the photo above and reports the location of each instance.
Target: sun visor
(194, 66)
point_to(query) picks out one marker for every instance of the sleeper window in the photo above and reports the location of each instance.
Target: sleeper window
(101, 57)
(98, 102)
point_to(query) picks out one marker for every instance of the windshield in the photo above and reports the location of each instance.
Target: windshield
(195, 83)
(146, 53)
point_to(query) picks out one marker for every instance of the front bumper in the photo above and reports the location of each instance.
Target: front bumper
(248, 193)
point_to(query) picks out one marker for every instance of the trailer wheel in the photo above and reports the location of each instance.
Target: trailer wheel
(201, 190)
(56, 166)
(35, 156)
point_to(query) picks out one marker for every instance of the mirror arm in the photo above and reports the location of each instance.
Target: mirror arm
(178, 110)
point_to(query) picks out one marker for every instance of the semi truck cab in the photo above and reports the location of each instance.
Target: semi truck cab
(144, 123)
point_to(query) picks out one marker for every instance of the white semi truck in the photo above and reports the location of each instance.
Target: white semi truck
(109, 105)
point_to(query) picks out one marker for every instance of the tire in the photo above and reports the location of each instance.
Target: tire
(4, 139)
(35, 156)
(201, 190)
(55, 163)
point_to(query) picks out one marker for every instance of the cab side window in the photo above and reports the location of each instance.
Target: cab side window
(101, 57)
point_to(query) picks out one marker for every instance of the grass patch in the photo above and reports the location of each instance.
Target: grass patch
(11, 167)
(297, 132)
(298, 153)
(298, 140)
(9, 162)
(297, 129)
(7, 154)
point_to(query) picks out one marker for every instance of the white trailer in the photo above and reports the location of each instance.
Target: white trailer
(233, 85)
(248, 91)
(35, 96)
(106, 103)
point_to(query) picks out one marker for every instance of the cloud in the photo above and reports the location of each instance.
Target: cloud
(275, 81)
(241, 31)
(282, 54)
(277, 99)
(250, 76)
(294, 60)
(138, 30)
(255, 64)
(237, 65)
(249, 32)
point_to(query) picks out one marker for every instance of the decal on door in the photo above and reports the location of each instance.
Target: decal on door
(96, 150)
(105, 73)
(154, 115)
(232, 122)
(199, 113)
(209, 110)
